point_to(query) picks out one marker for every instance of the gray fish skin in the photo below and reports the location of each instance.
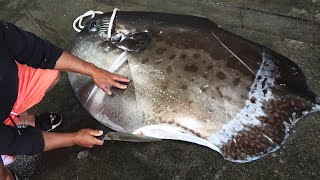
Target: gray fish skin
(195, 82)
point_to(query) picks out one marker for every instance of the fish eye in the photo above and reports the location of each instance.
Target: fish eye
(92, 26)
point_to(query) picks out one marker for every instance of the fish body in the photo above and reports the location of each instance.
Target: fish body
(193, 81)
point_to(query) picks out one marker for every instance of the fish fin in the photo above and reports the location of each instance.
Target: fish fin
(165, 131)
(253, 141)
(135, 42)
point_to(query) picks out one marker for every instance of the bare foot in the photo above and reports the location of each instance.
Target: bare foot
(27, 118)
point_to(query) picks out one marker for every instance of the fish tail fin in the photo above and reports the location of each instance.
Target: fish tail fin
(254, 136)
(256, 141)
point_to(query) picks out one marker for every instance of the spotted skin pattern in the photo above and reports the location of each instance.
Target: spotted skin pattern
(198, 83)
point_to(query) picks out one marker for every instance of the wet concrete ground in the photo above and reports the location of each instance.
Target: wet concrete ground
(291, 28)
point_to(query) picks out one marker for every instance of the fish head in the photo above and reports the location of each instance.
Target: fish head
(98, 26)
(120, 37)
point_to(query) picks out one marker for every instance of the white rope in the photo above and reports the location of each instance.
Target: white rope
(113, 16)
(81, 17)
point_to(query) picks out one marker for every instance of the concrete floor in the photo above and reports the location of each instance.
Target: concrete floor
(288, 27)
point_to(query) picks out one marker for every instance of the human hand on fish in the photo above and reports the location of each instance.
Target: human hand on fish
(102, 78)
(105, 79)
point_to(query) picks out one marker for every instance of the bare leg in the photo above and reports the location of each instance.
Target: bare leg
(27, 118)
(4, 172)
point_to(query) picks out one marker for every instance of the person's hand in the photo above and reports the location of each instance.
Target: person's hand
(105, 80)
(102, 78)
(86, 138)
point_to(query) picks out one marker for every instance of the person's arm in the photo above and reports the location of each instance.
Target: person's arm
(84, 138)
(32, 141)
(102, 78)
(27, 48)
(8, 135)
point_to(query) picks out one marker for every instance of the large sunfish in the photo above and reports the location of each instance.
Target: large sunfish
(192, 81)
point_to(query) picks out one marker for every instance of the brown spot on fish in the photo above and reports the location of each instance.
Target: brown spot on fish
(191, 68)
(264, 82)
(169, 69)
(172, 56)
(265, 91)
(161, 50)
(259, 77)
(145, 60)
(183, 56)
(184, 87)
(236, 81)
(253, 100)
(196, 55)
(221, 75)
(209, 67)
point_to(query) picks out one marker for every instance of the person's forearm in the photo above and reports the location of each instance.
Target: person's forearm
(102, 78)
(83, 137)
(68, 62)
(58, 140)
